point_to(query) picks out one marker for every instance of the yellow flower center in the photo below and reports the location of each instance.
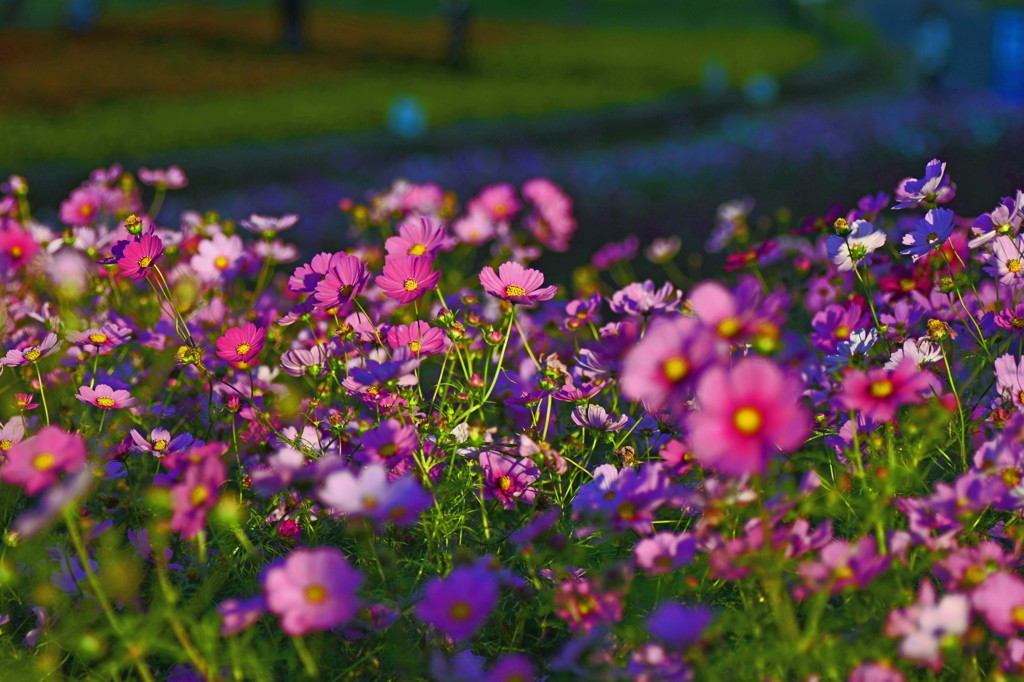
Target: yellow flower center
(842, 332)
(32, 354)
(748, 420)
(906, 284)
(505, 483)
(17, 251)
(515, 290)
(370, 502)
(411, 285)
(460, 611)
(199, 495)
(315, 593)
(145, 262)
(415, 346)
(1014, 265)
(6, 444)
(417, 250)
(220, 262)
(1018, 615)
(1011, 477)
(881, 389)
(105, 402)
(160, 445)
(345, 290)
(388, 449)
(675, 368)
(500, 210)
(729, 327)
(86, 210)
(98, 337)
(243, 348)
(44, 461)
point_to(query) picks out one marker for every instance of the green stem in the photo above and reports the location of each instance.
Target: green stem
(42, 393)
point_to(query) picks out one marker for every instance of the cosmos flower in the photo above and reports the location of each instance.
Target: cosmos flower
(935, 186)
(421, 237)
(218, 257)
(930, 233)
(268, 226)
(517, 284)
(747, 414)
(106, 397)
(863, 240)
(407, 278)
(312, 589)
(345, 278)
(507, 479)
(458, 604)
(170, 178)
(30, 352)
(35, 462)
(878, 393)
(241, 344)
(372, 494)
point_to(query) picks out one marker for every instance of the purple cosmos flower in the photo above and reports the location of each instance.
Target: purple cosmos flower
(344, 280)
(312, 589)
(597, 418)
(517, 284)
(1004, 220)
(623, 499)
(106, 397)
(458, 604)
(642, 299)
(664, 552)
(100, 340)
(387, 443)
(842, 564)
(237, 615)
(935, 187)
(512, 668)
(616, 252)
(677, 625)
(407, 278)
(302, 361)
(370, 493)
(507, 479)
(863, 240)
(583, 605)
(930, 233)
(162, 443)
(35, 462)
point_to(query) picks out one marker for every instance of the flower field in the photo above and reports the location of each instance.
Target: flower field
(423, 457)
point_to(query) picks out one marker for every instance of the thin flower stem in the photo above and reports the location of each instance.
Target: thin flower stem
(526, 341)
(42, 393)
(307, 659)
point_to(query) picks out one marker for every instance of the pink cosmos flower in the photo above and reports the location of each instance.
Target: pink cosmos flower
(11, 433)
(406, 278)
(17, 246)
(497, 201)
(218, 257)
(474, 228)
(747, 414)
(662, 369)
(241, 344)
(106, 397)
(878, 393)
(388, 443)
(196, 494)
(664, 552)
(312, 589)
(417, 238)
(345, 278)
(517, 284)
(419, 337)
(1000, 601)
(371, 494)
(82, 207)
(508, 479)
(35, 462)
(268, 226)
(171, 178)
(460, 603)
(1006, 260)
(135, 258)
(30, 353)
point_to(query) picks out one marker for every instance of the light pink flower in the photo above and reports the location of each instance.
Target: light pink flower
(106, 397)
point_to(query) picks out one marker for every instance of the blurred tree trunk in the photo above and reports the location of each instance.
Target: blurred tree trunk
(456, 16)
(293, 21)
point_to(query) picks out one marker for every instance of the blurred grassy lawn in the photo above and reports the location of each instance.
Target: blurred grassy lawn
(174, 75)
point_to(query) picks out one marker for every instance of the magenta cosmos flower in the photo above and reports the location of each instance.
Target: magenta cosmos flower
(878, 393)
(507, 479)
(406, 278)
(106, 397)
(135, 258)
(241, 344)
(345, 278)
(422, 238)
(747, 414)
(313, 589)
(517, 284)
(459, 604)
(35, 463)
